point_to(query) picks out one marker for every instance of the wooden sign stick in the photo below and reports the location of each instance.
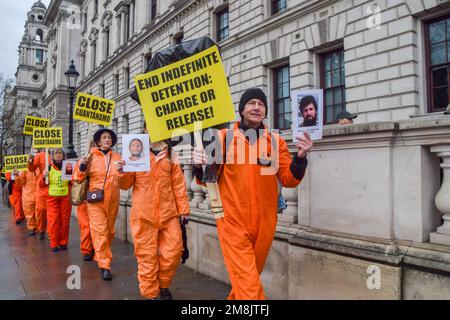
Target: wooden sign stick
(213, 188)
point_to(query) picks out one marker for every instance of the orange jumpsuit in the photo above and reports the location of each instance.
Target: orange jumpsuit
(38, 166)
(16, 199)
(249, 197)
(59, 208)
(159, 198)
(103, 214)
(28, 182)
(86, 246)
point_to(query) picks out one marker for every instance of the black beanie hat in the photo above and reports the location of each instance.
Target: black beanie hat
(252, 93)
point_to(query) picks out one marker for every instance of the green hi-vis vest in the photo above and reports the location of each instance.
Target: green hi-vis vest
(58, 187)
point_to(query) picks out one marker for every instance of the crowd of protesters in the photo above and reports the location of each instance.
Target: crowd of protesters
(160, 204)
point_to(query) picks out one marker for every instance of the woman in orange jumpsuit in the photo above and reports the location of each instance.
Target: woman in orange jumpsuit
(249, 192)
(59, 206)
(101, 170)
(27, 180)
(16, 197)
(36, 163)
(160, 204)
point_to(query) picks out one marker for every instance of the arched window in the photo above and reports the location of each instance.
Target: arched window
(39, 35)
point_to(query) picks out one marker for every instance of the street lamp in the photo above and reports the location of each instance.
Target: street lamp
(71, 77)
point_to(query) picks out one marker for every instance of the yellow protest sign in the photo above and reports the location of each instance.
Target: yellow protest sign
(47, 138)
(185, 94)
(93, 109)
(34, 122)
(19, 163)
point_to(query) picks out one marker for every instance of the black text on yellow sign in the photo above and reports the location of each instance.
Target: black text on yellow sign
(185, 94)
(48, 138)
(34, 122)
(19, 163)
(93, 109)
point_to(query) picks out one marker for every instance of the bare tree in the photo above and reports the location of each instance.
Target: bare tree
(8, 127)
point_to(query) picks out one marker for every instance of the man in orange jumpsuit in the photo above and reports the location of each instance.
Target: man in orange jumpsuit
(16, 197)
(101, 170)
(36, 163)
(27, 180)
(249, 192)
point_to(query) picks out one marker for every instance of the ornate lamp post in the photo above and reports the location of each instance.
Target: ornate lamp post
(72, 78)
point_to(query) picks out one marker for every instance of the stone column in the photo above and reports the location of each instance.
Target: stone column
(188, 176)
(290, 214)
(198, 194)
(442, 235)
(118, 33)
(206, 204)
(122, 28)
(132, 15)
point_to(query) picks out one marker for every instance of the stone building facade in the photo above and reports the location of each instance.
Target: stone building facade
(27, 94)
(63, 40)
(367, 220)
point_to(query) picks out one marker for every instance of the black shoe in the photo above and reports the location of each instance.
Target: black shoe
(18, 221)
(55, 249)
(87, 257)
(106, 274)
(32, 233)
(63, 247)
(41, 235)
(165, 294)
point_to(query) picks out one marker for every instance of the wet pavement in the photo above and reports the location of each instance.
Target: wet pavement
(30, 271)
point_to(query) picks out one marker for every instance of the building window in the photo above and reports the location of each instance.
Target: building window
(107, 43)
(333, 83)
(223, 30)
(83, 66)
(126, 124)
(147, 59)
(102, 89)
(178, 38)
(278, 6)
(79, 142)
(34, 103)
(127, 77)
(152, 10)
(95, 9)
(39, 35)
(438, 63)
(39, 56)
(115, 126)
(282, 100)
(127, 24)
(94, 56)
(116, 84)
(85, 17)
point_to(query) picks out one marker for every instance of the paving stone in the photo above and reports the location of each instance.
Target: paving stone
(31, 271)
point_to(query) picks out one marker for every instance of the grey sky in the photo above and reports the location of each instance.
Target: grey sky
(12, 22)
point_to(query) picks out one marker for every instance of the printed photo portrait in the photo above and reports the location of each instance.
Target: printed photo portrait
(307, 113)
(67, 169)
(136, 152)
